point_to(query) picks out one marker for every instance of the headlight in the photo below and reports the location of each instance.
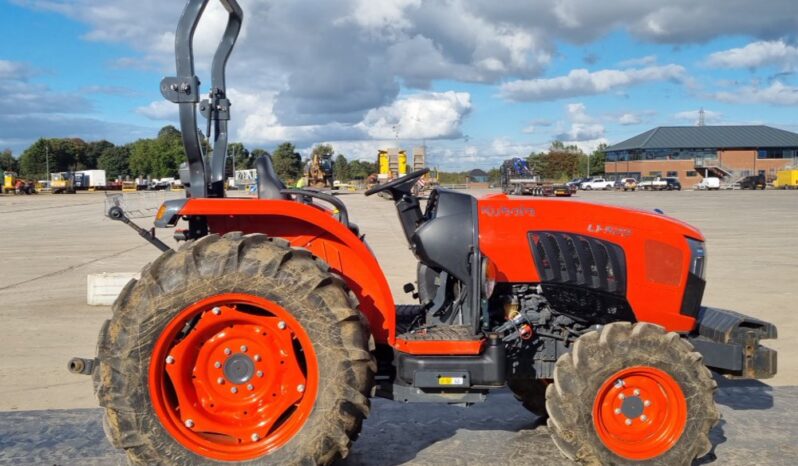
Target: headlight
(488, 277)
(698, 258)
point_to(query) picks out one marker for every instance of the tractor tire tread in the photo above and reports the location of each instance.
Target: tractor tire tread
(599, 354)
(255, 264)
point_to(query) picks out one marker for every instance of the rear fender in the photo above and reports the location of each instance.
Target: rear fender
(316, 230)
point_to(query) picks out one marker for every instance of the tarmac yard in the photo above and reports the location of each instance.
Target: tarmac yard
(48, 245)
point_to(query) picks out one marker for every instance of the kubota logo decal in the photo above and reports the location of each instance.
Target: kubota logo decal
(508, 211)
(609, 230)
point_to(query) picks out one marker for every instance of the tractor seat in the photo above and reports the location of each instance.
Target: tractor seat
(269, 185)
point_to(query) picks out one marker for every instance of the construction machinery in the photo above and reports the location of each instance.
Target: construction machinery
(518, 178)
(786, 179)
(62, 183)
(261, 339)
(319, 171)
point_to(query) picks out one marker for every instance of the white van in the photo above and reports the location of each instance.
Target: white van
(709, 183)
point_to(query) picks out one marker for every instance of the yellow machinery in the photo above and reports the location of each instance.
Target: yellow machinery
(384, 166)
(786, 179)
(319, 172)
(9, 180)
(62, 183)
(402, 163)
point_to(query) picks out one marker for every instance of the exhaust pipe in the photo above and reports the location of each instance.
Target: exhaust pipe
(81, 366)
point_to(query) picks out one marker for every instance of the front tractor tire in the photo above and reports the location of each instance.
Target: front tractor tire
(235, 349)
(632, 393)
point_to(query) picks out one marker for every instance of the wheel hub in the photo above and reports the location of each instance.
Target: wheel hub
(632, 407)
(226, 375)
(640, 412)
(239, 368)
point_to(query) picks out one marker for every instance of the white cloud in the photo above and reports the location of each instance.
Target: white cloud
(583, 127)
(763, 53)
(15, 70)
(419, 116)
(428, 115)
(581, 82)
(629, 119)
(159, 110)
(775, 94)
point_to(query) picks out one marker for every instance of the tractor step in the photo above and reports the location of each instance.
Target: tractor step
(442, 339)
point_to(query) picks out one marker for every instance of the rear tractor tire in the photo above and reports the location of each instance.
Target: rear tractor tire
(629, 394)
(235, 349)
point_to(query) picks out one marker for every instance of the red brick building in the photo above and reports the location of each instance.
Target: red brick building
(691, 153)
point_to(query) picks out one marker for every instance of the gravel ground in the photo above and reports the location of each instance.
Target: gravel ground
(758, 426)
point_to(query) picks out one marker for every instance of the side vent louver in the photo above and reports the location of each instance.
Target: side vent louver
(579, 260)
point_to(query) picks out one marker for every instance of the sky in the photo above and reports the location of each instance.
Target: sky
(475, 81)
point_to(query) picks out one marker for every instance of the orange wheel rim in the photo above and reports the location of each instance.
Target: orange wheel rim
(233, 377)
(640, 412)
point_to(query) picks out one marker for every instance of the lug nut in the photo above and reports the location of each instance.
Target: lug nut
(300, 388)
(234, 390)
(647, 403)
(628, 422)
(617, 410)
(170, 360)
(250, 387)
(643, 417)
(243, 348)
(217, 364)
(220, 380)
(260, 373)
(621, 396)
(255, 437)
(636, 392)
(281, 325)
(216, 311)
(227, 351)
(189, 423)
(257, 357)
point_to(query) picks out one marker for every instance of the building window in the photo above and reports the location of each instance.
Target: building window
(657, 173)
(691, 174)
(673, 174)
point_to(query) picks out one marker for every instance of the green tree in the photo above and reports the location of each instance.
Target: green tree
(115, 161)
(237, 151)
(597, 159)
(7, 161)
(341, 168)
(360, 169)
(323, 150)
(89, 159)
(287, 162)
(62, 155)
(158, 157)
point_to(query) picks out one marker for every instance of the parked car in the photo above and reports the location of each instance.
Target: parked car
(597, 183)
(650, 183)
(753, 182)
(709, 183)
(577, 182)
(628, 184)
(673, 184)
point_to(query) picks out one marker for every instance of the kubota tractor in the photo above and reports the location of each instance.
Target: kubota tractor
(263, 337)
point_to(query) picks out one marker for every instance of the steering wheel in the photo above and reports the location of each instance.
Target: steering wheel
(399, 183)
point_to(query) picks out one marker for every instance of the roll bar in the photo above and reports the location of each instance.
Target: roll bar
(184, 90)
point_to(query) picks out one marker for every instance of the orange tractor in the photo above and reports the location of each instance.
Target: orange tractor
(263, 337)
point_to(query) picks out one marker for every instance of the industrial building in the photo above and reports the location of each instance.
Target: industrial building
(691, 153)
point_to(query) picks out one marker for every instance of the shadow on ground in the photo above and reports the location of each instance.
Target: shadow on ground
(758, 421)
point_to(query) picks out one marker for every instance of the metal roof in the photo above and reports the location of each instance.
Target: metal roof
(709, 137)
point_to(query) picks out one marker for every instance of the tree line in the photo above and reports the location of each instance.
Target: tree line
(160, 157)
